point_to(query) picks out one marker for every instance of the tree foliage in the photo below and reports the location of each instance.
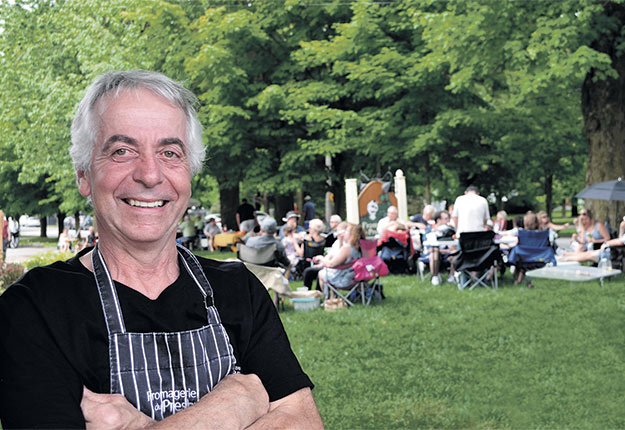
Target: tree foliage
(453, 92)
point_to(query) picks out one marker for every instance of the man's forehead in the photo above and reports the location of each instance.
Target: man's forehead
(121, 110)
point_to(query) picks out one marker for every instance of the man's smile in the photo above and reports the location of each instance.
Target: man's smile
(142, 204)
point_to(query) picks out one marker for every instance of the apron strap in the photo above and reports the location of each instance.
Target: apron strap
(194, 269)
(108, 294)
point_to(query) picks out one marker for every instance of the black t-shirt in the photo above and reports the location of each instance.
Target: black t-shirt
(53, 337)
(245, 211)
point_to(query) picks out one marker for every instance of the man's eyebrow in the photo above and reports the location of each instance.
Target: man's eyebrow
(117, 138)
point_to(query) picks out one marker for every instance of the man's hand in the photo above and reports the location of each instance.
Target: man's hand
(111, 411)
(235, 403)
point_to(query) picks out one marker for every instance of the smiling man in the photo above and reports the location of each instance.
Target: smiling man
(137, 332)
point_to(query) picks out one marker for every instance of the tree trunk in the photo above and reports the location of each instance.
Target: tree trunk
(574, 211)
(229, 202)
(284, 203)
(604, 117)
(548, 193)
(428, 190)
(299, 198)
(43, 226)
(60, 218)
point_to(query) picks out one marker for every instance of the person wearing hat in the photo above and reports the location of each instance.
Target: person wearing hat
(291, 219)
(268, 227)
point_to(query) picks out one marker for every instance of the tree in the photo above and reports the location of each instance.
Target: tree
(603, 93)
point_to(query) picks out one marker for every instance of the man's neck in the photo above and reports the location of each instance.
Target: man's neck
(147, 271)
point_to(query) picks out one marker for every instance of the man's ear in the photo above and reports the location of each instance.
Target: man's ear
(83, 183)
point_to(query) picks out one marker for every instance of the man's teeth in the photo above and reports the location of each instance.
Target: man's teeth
(154, 204)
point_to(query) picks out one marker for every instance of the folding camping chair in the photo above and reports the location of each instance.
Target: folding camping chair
(617, 257)
(262, 256)
(311, 249)
(533, 251)
(477, 256)
(395, 249)
(366, 285)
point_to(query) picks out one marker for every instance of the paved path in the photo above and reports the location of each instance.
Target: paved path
(23, 253)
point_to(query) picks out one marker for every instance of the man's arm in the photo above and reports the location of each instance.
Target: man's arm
(235, 403)
(295, 411)
(238, 221)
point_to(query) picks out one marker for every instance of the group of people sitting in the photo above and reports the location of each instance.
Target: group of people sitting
(592, 239)
(193, 229)
(332, 251)
(430, 229)
(69, 242)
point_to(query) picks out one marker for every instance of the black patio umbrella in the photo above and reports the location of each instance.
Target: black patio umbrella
(609, 190)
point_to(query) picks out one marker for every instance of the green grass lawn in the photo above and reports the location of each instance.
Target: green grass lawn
(435, 357)
(38, 241)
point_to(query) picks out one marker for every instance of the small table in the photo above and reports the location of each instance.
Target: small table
(573, 273)
(227, 240)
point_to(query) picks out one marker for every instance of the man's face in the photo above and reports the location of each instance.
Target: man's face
(333, 224)
(139, 179)
(392, 214)
(292, 221)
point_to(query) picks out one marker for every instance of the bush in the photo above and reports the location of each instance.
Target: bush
(10, 273)
(47, 258)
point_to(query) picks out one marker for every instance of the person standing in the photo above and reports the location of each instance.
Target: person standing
(309, 210)
(246, 214)
(470, 211)
(5, 236)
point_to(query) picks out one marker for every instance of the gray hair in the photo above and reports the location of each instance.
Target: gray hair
(316, 225)
(335, 218)
(85, 126)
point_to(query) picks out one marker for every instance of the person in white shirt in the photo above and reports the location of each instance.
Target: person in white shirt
(392, 217)
(470, 211)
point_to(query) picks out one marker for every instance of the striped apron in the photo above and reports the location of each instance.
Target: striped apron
(163, 373)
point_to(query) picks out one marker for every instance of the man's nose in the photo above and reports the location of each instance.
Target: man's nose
(148, 171)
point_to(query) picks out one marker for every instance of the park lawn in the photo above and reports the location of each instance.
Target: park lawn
(435, 357)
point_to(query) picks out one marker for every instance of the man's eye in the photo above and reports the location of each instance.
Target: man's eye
(121, 151)
(170, 154)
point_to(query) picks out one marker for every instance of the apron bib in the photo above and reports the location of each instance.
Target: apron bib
(163, 373)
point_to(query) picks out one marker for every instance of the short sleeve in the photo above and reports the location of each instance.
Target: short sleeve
(38, 387)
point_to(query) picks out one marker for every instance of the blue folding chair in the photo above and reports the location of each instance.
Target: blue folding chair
(533, 251)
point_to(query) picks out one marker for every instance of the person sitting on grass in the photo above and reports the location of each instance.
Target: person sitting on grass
(338, 270)
(64, 243)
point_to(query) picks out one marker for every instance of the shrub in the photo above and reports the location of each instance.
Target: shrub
(47, 258)
(10, 273)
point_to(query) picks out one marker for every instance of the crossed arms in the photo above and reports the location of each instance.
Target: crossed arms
(237, 402)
